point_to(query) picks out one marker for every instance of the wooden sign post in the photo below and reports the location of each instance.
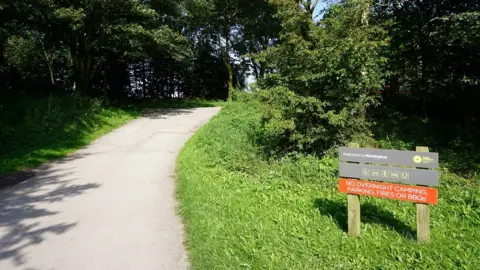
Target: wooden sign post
(353, 209)
(359, 163)
(423, 214)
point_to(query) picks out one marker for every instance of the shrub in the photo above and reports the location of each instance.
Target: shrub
(325, 76)
(293, 123)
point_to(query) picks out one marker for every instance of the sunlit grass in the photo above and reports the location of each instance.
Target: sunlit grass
(244, 212)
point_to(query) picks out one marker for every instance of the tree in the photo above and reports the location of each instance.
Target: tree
(89, 45)
(236, 28)
(90, 28)
(433, 53)
(327, 74)
(86, 25)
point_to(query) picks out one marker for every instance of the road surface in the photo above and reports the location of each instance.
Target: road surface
(108, 206)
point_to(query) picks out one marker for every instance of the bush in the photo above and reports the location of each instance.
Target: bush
(293, 123)
(241, 95)
(323, 80)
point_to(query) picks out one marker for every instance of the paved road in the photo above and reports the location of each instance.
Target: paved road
(109, 206)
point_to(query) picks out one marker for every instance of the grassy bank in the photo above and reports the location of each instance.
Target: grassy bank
(34, 130)
(242, 211)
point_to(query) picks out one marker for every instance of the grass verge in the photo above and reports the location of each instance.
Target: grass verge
(244, 212)
(34, 130)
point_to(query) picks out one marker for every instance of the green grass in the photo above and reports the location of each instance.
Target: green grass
(244, 212)
(34, 130)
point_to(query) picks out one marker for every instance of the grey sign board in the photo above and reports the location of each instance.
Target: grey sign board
(389, 157)
(389, 174)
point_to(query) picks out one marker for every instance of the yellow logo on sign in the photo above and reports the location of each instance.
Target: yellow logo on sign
(417, 159)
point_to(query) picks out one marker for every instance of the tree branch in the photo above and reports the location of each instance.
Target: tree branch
(314, 5)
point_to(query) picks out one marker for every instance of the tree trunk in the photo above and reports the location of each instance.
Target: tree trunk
(83, 59)
(118, 78)
(3, 81)
(52, 76)
(50, 69)
(49, 63)
(230, 78)
(83, 73)
(256, 70)
(228, 66)
(2, 55)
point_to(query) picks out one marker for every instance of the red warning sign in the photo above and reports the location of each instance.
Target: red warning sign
(389, 191)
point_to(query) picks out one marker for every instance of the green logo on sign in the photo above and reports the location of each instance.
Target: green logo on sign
(417, 159)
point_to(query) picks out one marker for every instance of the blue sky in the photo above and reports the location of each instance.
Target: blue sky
(320, 6)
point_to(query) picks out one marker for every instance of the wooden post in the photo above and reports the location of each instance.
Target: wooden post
(353, 209)
(423, 214)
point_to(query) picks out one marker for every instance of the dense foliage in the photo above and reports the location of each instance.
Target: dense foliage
(333, 72)
(326, 71)
(125, 49)
(371, 61)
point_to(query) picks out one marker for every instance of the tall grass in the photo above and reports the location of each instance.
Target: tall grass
(243, 211)
(34, 130)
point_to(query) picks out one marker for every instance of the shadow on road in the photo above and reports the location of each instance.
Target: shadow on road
(21, 213)
(19, 177)
(165, 113)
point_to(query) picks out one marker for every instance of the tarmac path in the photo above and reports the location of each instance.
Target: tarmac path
(109, 206)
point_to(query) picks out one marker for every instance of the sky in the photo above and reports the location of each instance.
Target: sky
(320, 7)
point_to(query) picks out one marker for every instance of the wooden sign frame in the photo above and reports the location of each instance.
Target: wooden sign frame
(351, 171)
